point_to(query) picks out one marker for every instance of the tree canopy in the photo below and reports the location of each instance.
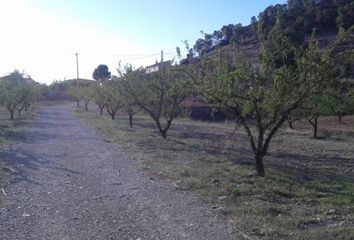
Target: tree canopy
(16, 93)
(101, 73)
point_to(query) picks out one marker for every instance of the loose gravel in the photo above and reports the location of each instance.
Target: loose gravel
(72, 184)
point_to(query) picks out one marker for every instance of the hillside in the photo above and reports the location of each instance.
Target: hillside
(298, 21)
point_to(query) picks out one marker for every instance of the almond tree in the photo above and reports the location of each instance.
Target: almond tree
(342, 101)
(29, 95)
(114, 100)
(323, 104)
(87, 95)
(77, 94)
(159, 94)
(15, 93)
(11, 97)
(263, 96)
(99, 97)
(315, 107)
(131, 108)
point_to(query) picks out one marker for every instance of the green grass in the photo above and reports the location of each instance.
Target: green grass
(308, 192)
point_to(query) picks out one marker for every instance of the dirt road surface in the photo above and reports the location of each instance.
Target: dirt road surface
(72, 184)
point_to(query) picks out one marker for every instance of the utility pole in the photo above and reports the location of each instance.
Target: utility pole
(77, 69)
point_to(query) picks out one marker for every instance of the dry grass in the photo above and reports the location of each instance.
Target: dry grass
(308, 192)
(10, 131)
(330, 126)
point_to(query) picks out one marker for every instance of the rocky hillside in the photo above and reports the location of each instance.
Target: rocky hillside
(298, 18)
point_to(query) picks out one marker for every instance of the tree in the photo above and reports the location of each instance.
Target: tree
(29, 95)
(76, 93)
(87, 95)
(345, 11)
(10, 97)
(99, 97)
(265, 95)
(291, 119)
(160, 94)
(341, 102)
(101, 73)
(227, 33)
(131, 108)
(113, 98)
(15, 93)
(316, 106)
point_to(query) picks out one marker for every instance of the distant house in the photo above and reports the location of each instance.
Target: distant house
(157, 66)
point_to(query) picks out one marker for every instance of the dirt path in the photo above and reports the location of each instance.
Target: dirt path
(72, 184)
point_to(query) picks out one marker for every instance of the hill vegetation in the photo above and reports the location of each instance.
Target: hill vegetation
(298, 17)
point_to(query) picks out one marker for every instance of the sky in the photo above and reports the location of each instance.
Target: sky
(41, 37)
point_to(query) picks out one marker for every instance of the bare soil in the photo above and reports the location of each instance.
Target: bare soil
(72, 183)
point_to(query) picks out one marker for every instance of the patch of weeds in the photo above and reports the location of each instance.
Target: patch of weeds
(3, 142)
(5, 174)
(344, 196)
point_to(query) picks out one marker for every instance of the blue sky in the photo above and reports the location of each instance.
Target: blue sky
(45, 34)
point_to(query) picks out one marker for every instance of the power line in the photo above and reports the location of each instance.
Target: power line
(33, 56)
(120, 55)
(120, 59)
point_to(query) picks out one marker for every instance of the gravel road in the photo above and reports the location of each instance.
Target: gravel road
(73, 184)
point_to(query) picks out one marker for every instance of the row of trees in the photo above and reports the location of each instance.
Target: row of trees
(289, 81)
(16, 94)
(110, 96)
(159, 94)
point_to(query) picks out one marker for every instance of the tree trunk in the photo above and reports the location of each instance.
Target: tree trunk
(163, 131)
(78, 103)
(101, 110)
(12, 113)
(86, 107)
(291, 124)
(315, 128)
(131, 120)
(111, 112)
(259, 164)
(163, 134)
(314, 124)
(340, 119)
(19, 112)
